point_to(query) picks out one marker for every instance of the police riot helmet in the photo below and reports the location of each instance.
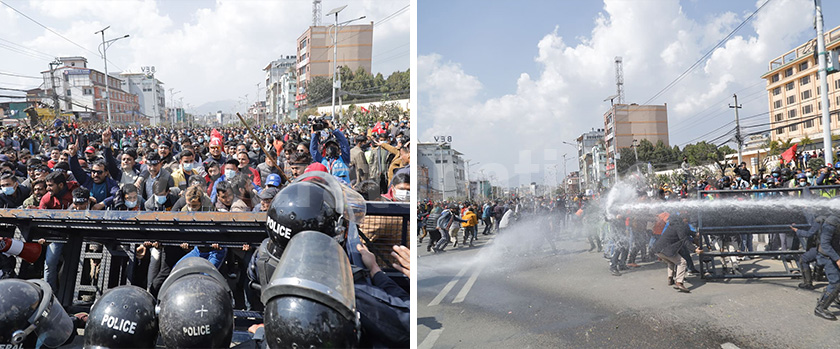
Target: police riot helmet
(837, 165)
(786, 173)
(801, 176)
(776, 172)
(28, 306)
(196, 309)
(310, 300)
(755, 179)
(124, 317)
(313, 201)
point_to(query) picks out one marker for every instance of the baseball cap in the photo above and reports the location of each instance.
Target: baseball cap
(90, 149)
(273, 180)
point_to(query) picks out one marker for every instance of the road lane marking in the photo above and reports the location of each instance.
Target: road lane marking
(448, 287)
(466, 289)
(728, 345)
(430, 340)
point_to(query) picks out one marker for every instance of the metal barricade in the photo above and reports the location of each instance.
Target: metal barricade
(756, 212)
(120, 232)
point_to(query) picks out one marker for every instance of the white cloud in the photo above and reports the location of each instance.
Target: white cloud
(211, 53)
(657, 41)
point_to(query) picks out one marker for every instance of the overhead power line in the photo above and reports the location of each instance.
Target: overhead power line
(21, 76)
(54, 32)
(705, 56)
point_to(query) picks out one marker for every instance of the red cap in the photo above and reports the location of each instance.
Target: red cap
(317, 166)
(90, 150)
(215, 142)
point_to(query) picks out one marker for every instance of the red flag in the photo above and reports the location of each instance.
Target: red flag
(364, 109)
(789, 154)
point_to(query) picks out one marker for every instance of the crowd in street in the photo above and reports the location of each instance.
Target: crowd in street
(67, 166)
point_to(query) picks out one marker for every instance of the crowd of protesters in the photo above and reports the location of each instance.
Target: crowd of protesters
(67, 166)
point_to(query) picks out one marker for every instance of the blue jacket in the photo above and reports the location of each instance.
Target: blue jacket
(343, 144)
(84, 179)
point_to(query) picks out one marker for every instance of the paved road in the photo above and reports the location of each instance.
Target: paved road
(498, 295)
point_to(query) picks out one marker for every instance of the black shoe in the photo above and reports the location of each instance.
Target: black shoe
(623, 267)
(824, 313)
(670, 281)
(456, 244)
(806, 286)
(428, 249)
(615, 272)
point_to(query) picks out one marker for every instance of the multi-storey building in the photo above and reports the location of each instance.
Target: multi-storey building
(280, 83)
(445, 166)
(315, 53)
(793, 92)
(624, 123)
(585, 143)
(81, 91)
(150, 94)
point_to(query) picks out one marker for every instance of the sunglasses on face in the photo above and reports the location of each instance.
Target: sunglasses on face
(97, 172)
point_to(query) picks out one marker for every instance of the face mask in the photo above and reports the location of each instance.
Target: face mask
(160, 199)
(802, 183)
(402, 195)
(229, 174)
(8, 190)
(187, 167)
(775, 175)
(143, 145)
(809, 174)
(130, 204)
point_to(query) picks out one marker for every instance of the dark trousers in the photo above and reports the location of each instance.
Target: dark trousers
(169, 256)
(488, 225)
(434, 236)
(831, 272)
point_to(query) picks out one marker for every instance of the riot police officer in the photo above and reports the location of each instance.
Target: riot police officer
(829, 258)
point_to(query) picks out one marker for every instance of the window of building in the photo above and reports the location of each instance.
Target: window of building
(808, 109)
(780, 130)
(788, 72)
(774, 78)
(777, 104)
(791, 113)
(793, 127)
(68, 92)
(837, 84)
(806, 94)
(777, 91)
(803, 66)
(805, 80)
(778, 117)
(791, 100)
(809, 123)
(87, 91)
(789, 86)
(818, 90)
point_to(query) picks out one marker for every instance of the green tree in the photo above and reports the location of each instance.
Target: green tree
(319, 90)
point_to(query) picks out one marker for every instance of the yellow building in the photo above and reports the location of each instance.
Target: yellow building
(793, 93)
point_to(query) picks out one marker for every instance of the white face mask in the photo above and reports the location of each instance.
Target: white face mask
(229, 174)
(402, 195)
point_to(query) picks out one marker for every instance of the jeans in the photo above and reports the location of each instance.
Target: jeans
(746, 242)
(444, 239)
(217, 257)
(54, 251)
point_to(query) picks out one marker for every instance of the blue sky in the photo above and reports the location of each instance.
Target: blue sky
(542, 68)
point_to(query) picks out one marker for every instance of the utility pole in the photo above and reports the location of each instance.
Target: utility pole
(56, 106)
(826, 119)
(738, 138)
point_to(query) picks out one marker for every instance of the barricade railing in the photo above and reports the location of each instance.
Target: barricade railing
(120, 232)
(737, 216)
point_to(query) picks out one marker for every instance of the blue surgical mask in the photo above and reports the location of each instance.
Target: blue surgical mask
(131, 204)
(8, 190)
(229, 174)
(160, 199)
(187, 167)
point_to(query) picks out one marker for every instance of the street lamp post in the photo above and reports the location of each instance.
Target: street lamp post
(105, 45)
(336, 83)
(172, 105)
